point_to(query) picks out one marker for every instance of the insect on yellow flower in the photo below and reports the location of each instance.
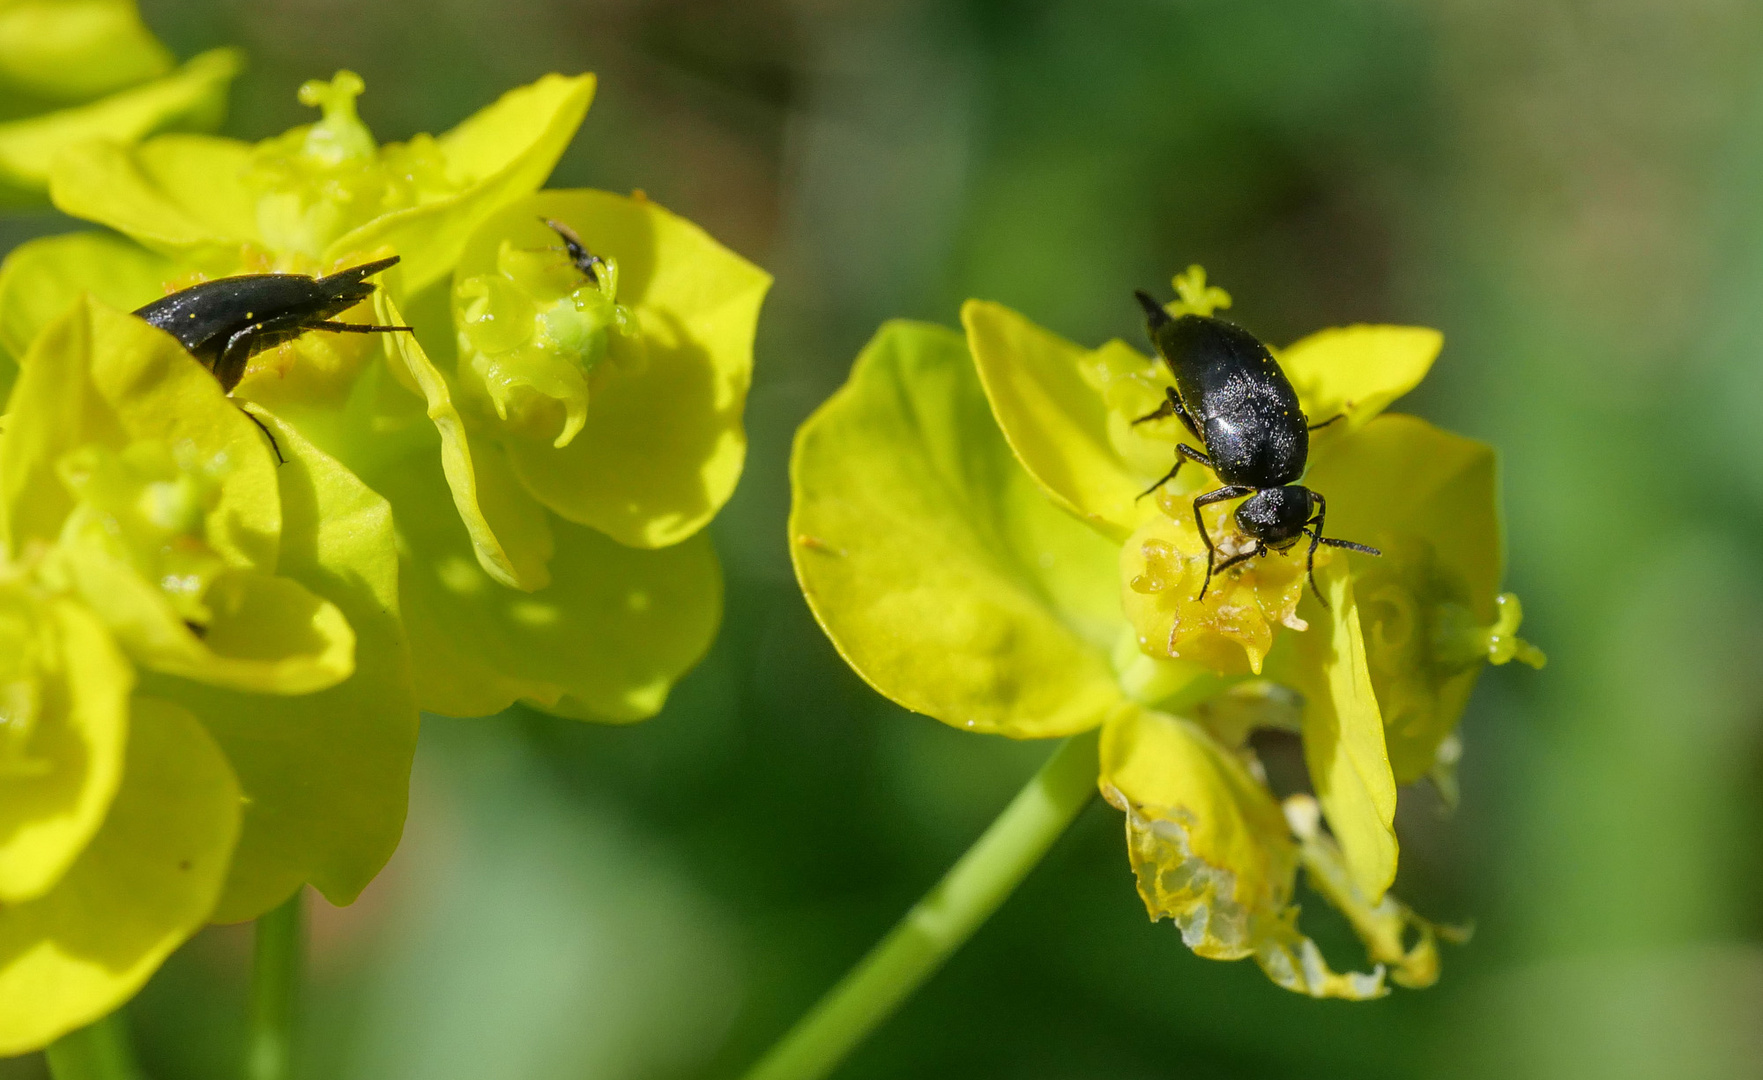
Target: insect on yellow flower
(968, 529)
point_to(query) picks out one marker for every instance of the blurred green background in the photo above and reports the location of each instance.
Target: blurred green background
(1573, 192)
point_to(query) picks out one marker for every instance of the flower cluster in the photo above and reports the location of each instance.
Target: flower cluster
(968, 528)
(215, 662)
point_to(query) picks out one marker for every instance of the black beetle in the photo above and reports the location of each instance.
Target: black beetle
(1232, 395)
(226, 321)
(580, 257)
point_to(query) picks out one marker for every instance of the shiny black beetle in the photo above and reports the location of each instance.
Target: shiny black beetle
(226, 321)
(1232, 395)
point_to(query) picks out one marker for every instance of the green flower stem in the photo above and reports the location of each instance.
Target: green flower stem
(275, 985)
(938, 924)
(101, 1050)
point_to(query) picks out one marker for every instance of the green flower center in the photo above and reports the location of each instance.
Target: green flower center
(148, 507)
(531, 336)
(317, 182)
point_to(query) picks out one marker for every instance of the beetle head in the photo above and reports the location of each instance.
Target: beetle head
(1276, 516)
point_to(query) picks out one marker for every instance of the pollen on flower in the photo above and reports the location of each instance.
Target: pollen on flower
(1231, 628)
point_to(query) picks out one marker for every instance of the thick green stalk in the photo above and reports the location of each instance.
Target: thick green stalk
(941, 922)
(99, 1051)
(275, 990)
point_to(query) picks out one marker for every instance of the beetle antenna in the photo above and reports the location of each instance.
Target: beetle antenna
(1155, 316)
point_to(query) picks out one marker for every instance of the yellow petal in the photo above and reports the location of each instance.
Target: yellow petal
(55, 801)
(941, 572)
(1357, 371)
(182, 195)
(193, 96)
(1343, 730)
(509, 532)
(500, 153)
(1051, 399)
(663, 444)
(71, 52)
(146, 883)
(42, 278)
(268, 635)
(325, 775)
(606, 640)
(1429, 500)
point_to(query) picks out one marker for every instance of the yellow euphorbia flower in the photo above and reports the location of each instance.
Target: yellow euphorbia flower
(261, 598)
(549, 505)
(958, 528)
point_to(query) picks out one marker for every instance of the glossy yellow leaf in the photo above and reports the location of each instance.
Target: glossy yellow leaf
(1208, 843)
(147, 882)
(664, 443)
(605, 640)
(934, 562)
(40, 279)
(74, 50)
(268, 634)
(1049, 399)
(192, 96)
(1429, 500)
(183, 195)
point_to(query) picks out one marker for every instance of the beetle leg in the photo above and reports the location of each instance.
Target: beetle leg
(1231, 491)
(1245, 556)
(1330, 420)
(1317, 539)
(273, 445)
(1171, 406)
(1182, 451)
(229, 366)
(352, 328)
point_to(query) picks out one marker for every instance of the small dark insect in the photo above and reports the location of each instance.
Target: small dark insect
(1230, 393)
(226, 321)
(580, 257)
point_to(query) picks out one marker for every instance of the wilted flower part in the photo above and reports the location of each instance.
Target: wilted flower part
(948, 577)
